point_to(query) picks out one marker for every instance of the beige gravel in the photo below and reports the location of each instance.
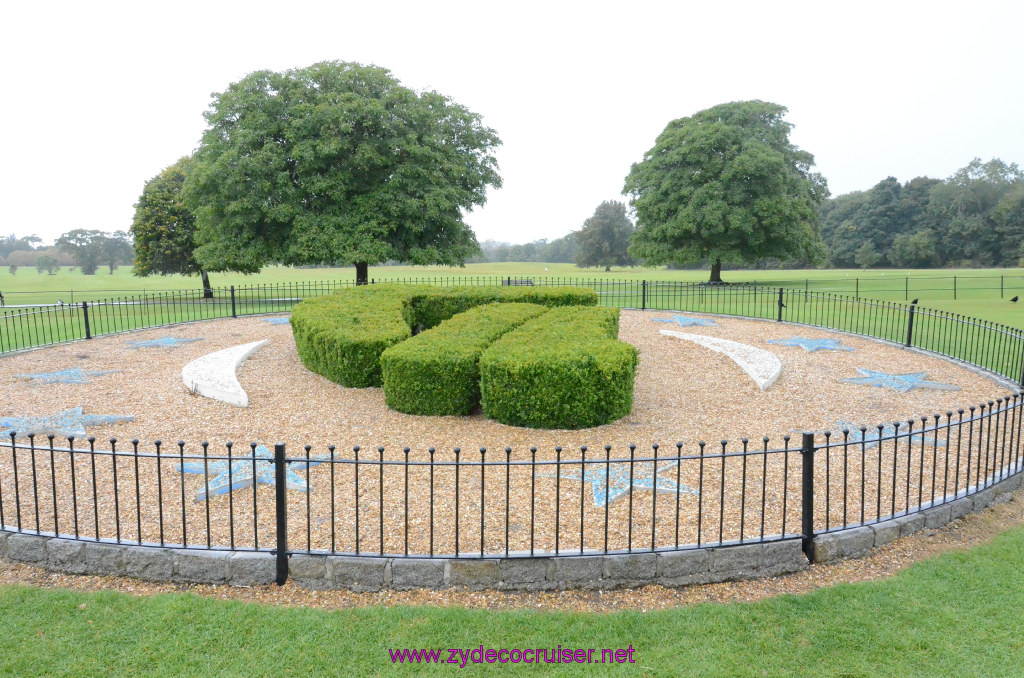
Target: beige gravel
(683, 393)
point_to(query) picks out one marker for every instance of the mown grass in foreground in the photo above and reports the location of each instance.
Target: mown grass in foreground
(958, 614)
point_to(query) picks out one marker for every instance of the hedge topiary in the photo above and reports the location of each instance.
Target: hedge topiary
(342, 336)
(437, 371)
(564, 369)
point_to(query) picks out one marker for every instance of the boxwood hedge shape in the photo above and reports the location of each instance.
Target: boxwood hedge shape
(564, 369)
(437, 371)
(342, 336)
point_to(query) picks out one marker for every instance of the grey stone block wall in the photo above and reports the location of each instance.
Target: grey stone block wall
(519, 571)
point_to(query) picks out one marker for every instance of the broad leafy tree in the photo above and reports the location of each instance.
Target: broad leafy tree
(725, 185)
(604, 238)
(164, 229)
(90, 248)
(84, 246)
(968, 205)
(46, 263)
(337, 163)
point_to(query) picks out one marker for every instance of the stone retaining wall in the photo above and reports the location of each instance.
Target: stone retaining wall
(202, 566)
(362, 573)
(855, 542)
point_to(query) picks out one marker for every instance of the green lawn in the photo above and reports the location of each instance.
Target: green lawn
(958, 614)
(27, 286)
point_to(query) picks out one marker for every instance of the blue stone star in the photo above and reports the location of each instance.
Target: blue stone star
(277, 321)
(686, 321)
(71, 375)
(162, 342)
(898, 382)
(68, 424)
(612, 480)
(871, 436)
(812, 345)
(241, 472)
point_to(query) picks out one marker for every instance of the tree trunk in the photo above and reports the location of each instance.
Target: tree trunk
(607, 269)
(362, 273)
(716, 271)
(207, 290)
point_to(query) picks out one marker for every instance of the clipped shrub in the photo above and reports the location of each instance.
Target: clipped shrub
(432, 306)
(437, 371)
(564, 369)
(342, 336)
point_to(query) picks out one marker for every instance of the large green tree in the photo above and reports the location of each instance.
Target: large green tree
(164, 229)
(89, 248)
(726, 185)
(337, 163)
(604, 238)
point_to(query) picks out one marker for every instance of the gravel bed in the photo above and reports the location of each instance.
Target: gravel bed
(684, 394)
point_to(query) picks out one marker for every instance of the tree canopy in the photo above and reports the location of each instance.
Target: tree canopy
(973, 218)
(726, 185)
(164, 229)
(336, 163)
(90, 248)
(604, 238)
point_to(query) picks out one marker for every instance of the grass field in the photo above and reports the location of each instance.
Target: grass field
(930, 286)
(954, 615)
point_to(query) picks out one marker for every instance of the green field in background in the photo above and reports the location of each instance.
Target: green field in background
(929, 285)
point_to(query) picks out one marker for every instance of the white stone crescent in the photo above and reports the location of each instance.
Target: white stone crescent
(763, 366)
(213, 375)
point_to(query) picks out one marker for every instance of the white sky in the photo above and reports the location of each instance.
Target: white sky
(99, 97)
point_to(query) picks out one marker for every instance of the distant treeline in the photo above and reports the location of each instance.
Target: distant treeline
(560, 251)
(973, 218)
(80, 248)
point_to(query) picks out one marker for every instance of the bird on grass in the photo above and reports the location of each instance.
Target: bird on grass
(914, 302)
(1014, 300)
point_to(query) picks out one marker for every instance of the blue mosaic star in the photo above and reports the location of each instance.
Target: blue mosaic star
(898, 382)
(277, 321)
(71, 375)
(613, 479)
(68, 424)
(871, 436)
(162, 342)
(242, 474)
(686, 321)
(812, 345)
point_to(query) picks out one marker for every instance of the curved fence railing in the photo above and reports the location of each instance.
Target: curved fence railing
(516, 502)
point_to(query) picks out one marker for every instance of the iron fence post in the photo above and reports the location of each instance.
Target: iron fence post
(954, 288)
(643, 295)
(781, 305)
(910, 324)
(233, 313)
(807, 504)
(85, 318)
(281, 506)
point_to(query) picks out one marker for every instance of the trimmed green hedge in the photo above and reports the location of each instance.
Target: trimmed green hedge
(437, 372)
(565, 369)
(342, 336)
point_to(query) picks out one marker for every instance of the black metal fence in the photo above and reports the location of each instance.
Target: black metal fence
(990, 345)
(522, 502)
(510, 503)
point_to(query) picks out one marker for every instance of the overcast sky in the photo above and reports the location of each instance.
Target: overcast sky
(99, 97)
